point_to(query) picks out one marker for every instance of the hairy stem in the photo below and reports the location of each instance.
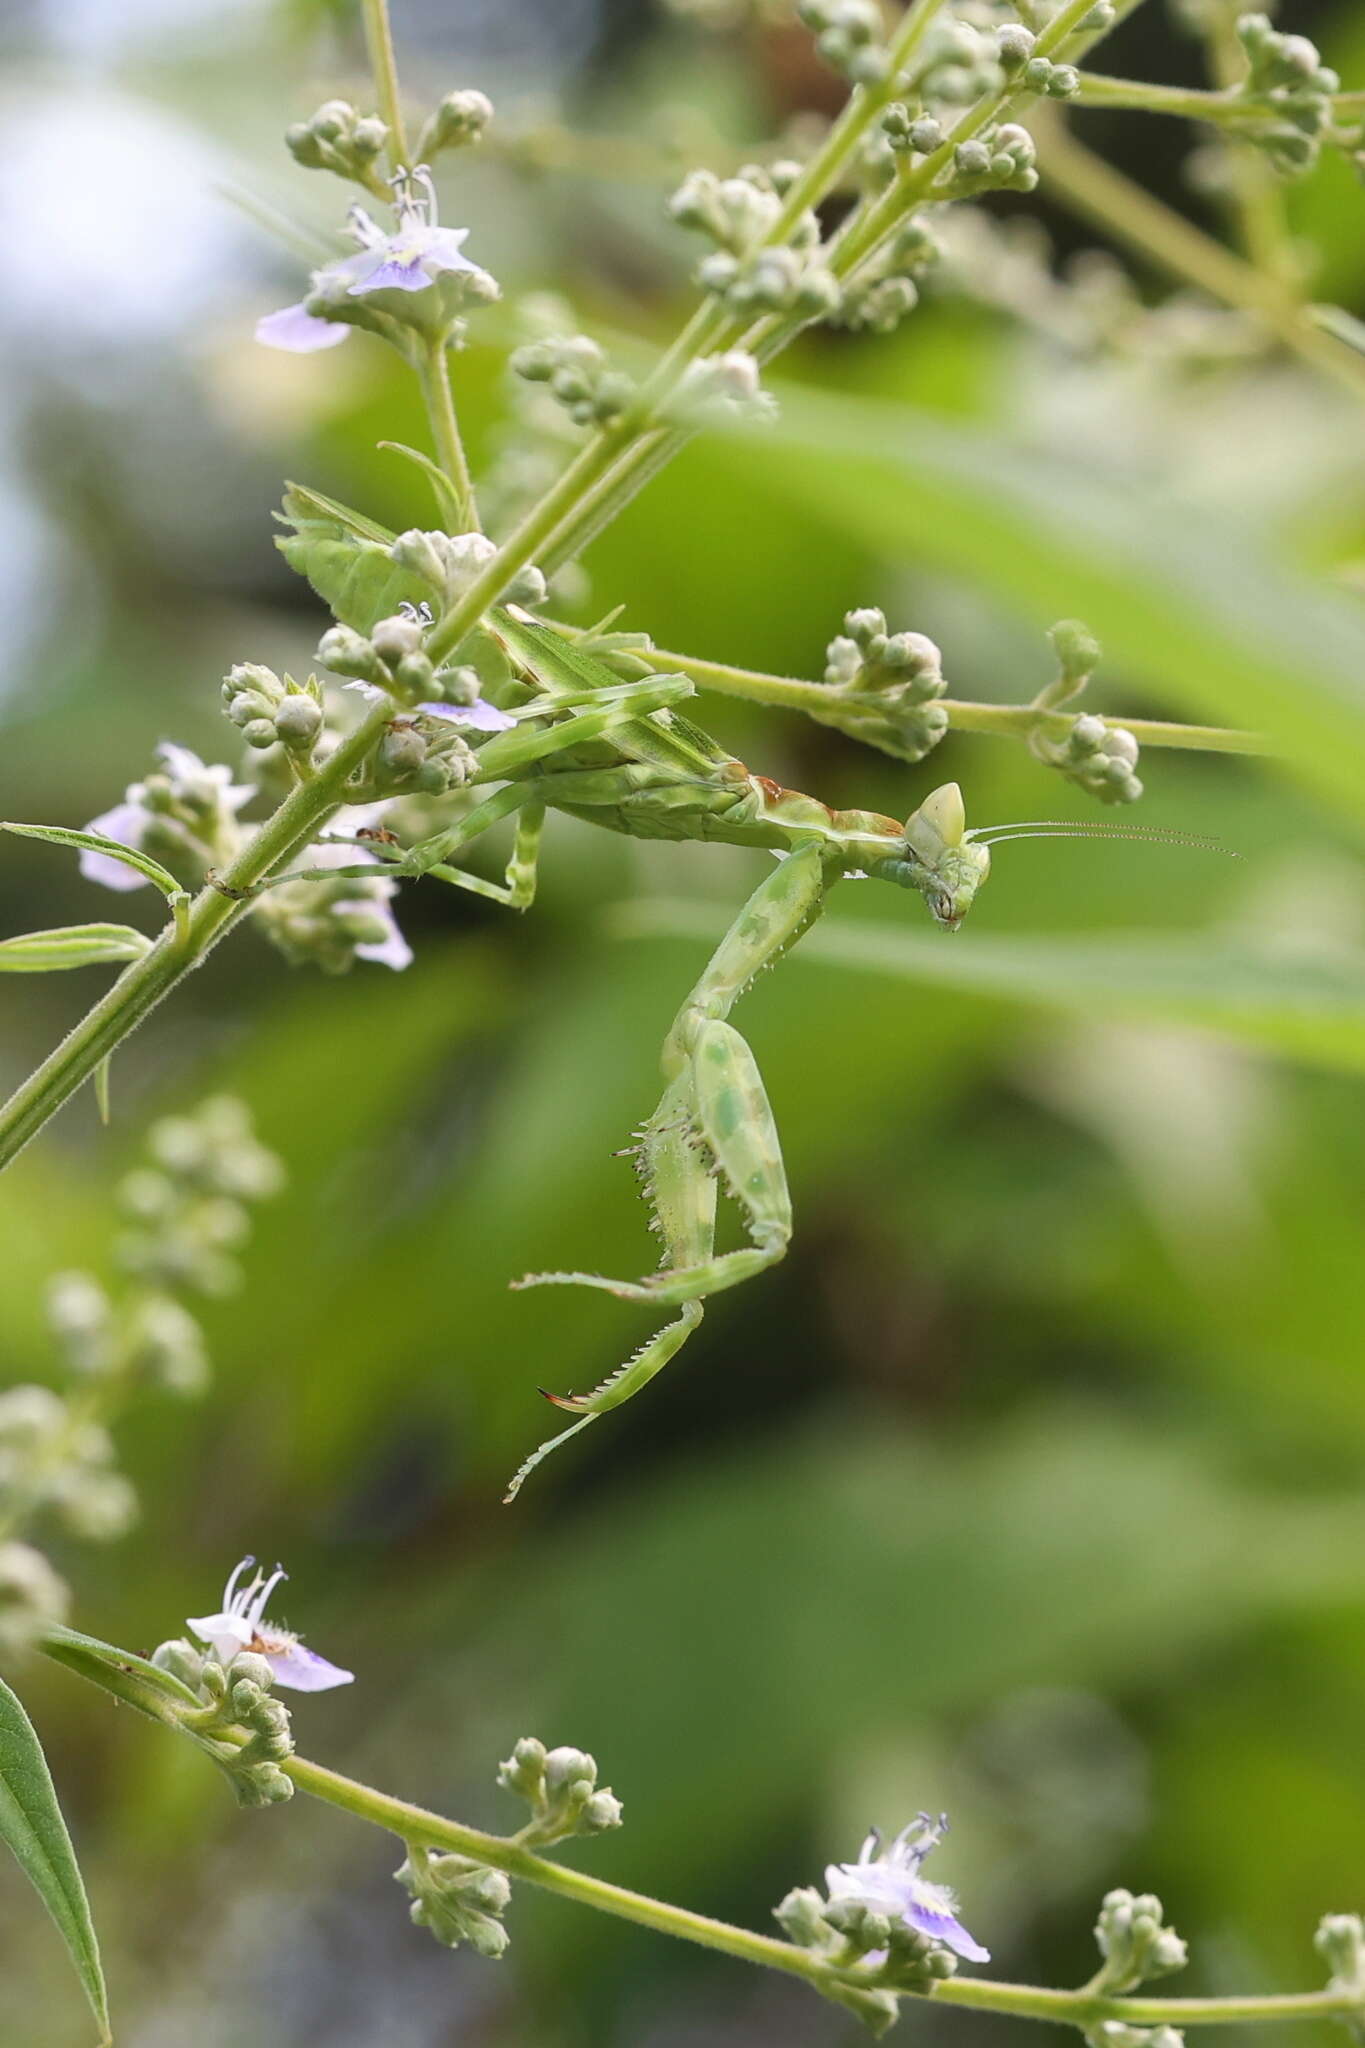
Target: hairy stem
(214, 911)
(384, 69)
(433, 372)
(159, 1696)
(1011, 721)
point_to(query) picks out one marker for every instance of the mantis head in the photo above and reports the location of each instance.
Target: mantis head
(947, 863)
(942, 862)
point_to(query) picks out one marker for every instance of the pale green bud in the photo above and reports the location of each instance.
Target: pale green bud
(298, 721)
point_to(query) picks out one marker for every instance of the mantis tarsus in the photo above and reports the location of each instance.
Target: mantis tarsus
(619, 754)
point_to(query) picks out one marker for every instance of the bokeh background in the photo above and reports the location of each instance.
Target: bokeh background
(1029, 1487)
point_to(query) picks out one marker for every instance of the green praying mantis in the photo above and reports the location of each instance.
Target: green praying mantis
(620, 755)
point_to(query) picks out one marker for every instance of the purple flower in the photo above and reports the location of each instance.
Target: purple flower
(242, 1626)
(888, 1881)
(483, 716)
(209, 792)
(414, 256)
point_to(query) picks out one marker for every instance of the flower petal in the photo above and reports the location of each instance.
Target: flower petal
(297, 331)
(442, 249)
(226, 1634)
(937, 1924)
(304, 1671)
(126, 823)
(393, 277)
(391, 951)
(483, 716)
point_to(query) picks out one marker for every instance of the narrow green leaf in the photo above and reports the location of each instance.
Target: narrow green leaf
(1305, 1007)
(447, 502)
(31, 1822)
(101, 1083)
(91, 842)
(73, 945)
(87, 1654)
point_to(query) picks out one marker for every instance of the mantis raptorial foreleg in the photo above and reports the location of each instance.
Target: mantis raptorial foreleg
(713, 1120)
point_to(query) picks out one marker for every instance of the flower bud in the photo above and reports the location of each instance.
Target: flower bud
(298, 721)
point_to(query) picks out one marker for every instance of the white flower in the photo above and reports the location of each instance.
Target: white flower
(242, 1626)
(207, 791)
(888, 1881)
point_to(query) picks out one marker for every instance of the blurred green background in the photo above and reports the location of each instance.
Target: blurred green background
(1029, 1487)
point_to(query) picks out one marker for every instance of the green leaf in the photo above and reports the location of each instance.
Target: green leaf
(345, 557)
(31, 1822)
(1205, 610)
(447, 503)
(91, 842)
(1306, 1006)
(73, 945)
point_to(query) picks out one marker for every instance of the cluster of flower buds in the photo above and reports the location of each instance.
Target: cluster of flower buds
(745, 270)
(578, 375)
(1134, 1942)
(880, 294)
(1001, 159)
(849, 36)
(960, 61)
(1015, 52)
(560, 1787)
(457, 1899)
(1287, 76)
(1100, 759)
(55, 1459)
(337, 138)
(240, 1725)
(449, 562)
(188, 1207)
(461, 119)
(1097, 757)
(716, 389)
(1340, 1941)
(883, 688)
(189, 1210)
(272, 710)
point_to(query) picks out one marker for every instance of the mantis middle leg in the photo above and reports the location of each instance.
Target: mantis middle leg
(713, 1121)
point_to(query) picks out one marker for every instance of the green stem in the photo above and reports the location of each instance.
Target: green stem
(1012, 721)
(433, 371)
(163, 1699)
(384, 67)
(1188, 102)
(1093, 189)
(214, 911)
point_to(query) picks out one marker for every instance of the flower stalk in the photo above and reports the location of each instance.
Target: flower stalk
(154, 1693)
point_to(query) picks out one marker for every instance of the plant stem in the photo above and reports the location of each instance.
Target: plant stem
(433, 371)
(1190, 103)
(164, 1700)
(1257, 192)
(384, 68)
(1092, 188)
(1011, 721)
(214, 911)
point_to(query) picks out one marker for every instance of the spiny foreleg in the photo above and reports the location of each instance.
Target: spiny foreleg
(714, 1083)
(682, 1197)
